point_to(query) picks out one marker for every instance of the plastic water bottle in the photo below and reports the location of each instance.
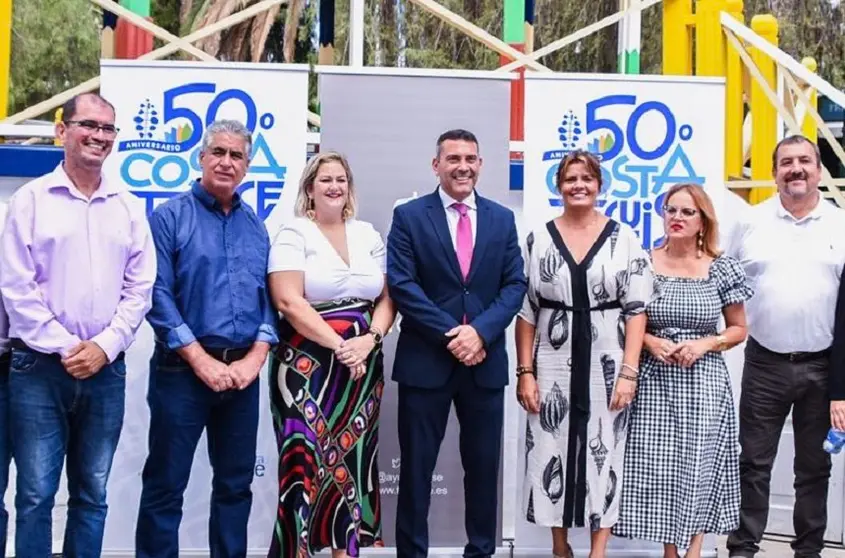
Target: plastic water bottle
(835, 441)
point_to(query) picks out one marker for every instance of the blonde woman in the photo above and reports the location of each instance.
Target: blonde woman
(682, 458)
(327, 280)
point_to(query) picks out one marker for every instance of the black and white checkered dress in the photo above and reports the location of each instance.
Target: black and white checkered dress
(682, 458)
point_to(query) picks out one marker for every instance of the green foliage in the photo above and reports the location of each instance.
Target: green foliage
(55, 46)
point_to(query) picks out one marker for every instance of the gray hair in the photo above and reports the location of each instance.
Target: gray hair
(231, 127)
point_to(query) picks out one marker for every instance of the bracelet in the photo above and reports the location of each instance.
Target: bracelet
(520, 370)
(627, 377)
(631, 368)
(721, 342)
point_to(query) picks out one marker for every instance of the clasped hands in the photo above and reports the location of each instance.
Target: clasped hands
(85, 360)
(220, 376)
(353, 354)
(466, 345)
(685, 353)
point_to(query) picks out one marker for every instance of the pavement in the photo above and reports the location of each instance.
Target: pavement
(778, 547)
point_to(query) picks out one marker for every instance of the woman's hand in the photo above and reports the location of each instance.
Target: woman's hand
(357, 372)
(623, 393)
(527, 393)
(661, 349)
(687, 353)
(355, 351)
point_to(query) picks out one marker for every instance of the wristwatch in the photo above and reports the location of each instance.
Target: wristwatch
(377, 335)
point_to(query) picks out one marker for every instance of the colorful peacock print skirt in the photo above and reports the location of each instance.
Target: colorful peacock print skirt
(326, 428)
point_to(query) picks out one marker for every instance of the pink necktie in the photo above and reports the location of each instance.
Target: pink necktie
(464, 238)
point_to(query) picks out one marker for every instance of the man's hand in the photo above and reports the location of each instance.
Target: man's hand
(213, 373)
(837, 414)
(85, 360)
(243, 372)
(477, 358)
(465, 343)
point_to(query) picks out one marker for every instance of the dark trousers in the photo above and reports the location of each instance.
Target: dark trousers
(772, 384)
(181, 408)
(5, 447)
(423, 416)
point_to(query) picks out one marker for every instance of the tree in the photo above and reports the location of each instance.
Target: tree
(55, 46)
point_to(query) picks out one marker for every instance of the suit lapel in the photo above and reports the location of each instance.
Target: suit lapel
(483, 229)
(437, 215)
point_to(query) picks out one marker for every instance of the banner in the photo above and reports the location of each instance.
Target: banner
(387, 121)
(163, 109)
(650, 132)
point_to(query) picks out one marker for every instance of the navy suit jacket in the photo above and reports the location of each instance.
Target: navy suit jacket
(424, 280)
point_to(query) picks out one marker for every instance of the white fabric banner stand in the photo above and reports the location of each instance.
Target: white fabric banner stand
(163, 109)
(654, 132)
(387, 121)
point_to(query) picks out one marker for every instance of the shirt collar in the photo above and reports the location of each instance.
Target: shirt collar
(58, 179)
(817, 213)
(208, 200)
(448, 200)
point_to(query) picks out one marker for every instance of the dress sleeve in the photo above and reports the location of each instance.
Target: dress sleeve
(638, 288)
(530, 305)
(288, 250)
(731, 281)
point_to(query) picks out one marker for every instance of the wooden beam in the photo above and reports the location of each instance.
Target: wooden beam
(151, 27)
(808, 106)
(772, 96)
(479, 34)
(93, 83)
(783, 59)
(576, 36)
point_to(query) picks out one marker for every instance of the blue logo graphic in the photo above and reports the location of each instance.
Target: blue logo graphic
(164, 155)
(635, 179)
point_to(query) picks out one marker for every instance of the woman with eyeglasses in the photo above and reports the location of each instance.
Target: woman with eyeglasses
(682, 458)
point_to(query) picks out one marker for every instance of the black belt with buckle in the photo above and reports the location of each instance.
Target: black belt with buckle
(793, 357)
(18, 344)
(227, 356)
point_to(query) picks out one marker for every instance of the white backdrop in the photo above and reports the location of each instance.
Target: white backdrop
(162, 111)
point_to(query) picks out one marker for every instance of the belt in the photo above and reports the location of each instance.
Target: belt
(18, 345)
(559, 305)
(791, 357)
(225, 355)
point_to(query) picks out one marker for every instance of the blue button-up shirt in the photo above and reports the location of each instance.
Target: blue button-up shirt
(211, 285)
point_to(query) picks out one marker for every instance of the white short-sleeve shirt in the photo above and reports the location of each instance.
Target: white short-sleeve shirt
(301, 246)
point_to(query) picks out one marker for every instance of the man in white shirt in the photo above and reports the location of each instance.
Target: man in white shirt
(5, 447)
(792, 247)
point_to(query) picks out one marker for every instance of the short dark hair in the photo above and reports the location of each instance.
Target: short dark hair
(70, 107)
(589, 160)
(794, 140)
(457, 134)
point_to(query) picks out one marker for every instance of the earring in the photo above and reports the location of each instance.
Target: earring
(700, 244)
(310, 213)
(347, 213)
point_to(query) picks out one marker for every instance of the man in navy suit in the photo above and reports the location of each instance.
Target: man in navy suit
(455, 272)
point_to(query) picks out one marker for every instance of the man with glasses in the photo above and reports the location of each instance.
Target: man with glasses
(77, 268)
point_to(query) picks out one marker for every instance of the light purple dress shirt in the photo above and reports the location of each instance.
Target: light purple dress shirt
(74, 269)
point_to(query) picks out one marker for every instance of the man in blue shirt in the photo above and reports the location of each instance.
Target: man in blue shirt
(214, 325)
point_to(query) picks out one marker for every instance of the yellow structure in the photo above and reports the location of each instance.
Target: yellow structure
(764, 116)
(5, 54)
(709, 61)
(677, 39)
(734, 102)
(808, 126)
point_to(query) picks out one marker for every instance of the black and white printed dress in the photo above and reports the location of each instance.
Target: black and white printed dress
(682, 461)
(575, 445)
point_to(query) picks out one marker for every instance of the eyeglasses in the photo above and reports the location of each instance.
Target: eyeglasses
(686, 212)
(93, 126)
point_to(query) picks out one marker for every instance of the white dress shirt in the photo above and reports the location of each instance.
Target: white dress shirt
(452, 215)
(794, 266)
(4, 319)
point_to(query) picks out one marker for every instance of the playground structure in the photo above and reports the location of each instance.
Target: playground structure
(766, 89)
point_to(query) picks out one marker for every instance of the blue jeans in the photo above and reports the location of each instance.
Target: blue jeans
(53, 415)
(5, 448)
(181, 408)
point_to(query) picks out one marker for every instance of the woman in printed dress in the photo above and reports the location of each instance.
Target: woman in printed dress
(327, 279)
(578, 341)
(682, 460)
